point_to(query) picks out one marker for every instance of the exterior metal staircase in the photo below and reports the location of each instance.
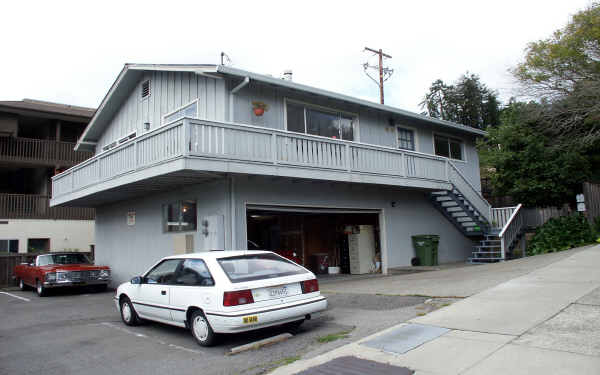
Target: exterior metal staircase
(460, 212)
(497, 233)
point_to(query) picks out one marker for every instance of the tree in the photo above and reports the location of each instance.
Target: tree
(527, 166)
(468, 102)
(564, 70)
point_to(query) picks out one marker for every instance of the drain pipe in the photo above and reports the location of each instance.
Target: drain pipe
(233, 91)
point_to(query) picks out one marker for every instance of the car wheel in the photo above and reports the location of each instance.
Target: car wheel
(22, 285)
(128, 314)
(201, 329)
(40, 290)
(293, 327)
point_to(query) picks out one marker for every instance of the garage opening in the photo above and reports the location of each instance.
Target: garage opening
(326, 241)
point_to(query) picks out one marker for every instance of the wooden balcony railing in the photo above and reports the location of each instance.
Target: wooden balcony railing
(40, 151)
(29, 206)
(263, 147)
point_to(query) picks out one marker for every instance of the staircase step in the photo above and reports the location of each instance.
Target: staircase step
(444, 192)
(454, 209)
(459, 214)
(449, 204)
(443, 198)
(462, 219)
(468, 224)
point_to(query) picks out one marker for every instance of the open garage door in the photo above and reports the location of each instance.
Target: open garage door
(325, 240)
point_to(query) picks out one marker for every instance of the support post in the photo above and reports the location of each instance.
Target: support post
(274, 147)
(348, 158)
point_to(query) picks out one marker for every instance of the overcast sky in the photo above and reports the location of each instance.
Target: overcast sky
(71, 52)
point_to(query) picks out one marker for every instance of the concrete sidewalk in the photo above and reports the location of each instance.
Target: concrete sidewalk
(543, 322)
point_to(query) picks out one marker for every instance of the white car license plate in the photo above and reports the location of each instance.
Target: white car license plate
(280, 291)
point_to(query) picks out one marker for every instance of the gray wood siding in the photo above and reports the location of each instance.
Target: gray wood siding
(374, 127)
(168, 91)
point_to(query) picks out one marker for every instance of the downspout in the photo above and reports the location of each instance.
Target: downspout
(233, 91)
(232, 213)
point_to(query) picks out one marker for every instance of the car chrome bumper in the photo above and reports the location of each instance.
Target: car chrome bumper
(222, 322)
(60, 284)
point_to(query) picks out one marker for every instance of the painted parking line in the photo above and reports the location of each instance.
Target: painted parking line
(154, 339)
(17, 297)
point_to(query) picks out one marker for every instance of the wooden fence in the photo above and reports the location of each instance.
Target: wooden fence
(591, 193)
(9, 261)
(536, 217)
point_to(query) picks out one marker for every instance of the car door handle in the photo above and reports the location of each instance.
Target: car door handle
(163, 292)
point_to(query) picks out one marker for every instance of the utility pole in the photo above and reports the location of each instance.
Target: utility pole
(384, 73)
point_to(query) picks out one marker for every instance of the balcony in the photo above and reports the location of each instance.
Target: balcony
(40, 152)
(28, 206)
(193, 150)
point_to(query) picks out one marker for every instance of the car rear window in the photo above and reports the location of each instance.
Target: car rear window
(257, 267)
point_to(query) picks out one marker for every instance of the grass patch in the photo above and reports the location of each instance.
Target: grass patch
(446, 304)
(421, 314)
(333, 337)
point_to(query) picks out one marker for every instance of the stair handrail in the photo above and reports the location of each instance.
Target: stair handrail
(511, 230)
(487, 214)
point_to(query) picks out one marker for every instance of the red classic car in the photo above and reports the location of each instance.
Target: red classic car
(61, 270)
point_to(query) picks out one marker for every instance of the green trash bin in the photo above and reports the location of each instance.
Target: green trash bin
(426, 248)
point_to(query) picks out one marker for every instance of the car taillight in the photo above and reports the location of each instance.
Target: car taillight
(240, 297)
(310, 286)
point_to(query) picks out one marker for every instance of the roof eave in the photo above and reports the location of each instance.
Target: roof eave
(297, 86)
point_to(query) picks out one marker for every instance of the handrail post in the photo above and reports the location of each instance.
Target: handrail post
(348, 159)
(502, 248)
(274, 147)
(185, 137)
(403, 164)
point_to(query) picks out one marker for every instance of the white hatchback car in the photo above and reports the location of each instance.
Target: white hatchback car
(221, 292)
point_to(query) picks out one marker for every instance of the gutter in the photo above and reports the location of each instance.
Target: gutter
(233, 91)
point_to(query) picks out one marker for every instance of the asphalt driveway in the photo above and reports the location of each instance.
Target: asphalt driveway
(73, 332)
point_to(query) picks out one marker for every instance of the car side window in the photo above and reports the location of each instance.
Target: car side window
(163, 273)
(194, 272)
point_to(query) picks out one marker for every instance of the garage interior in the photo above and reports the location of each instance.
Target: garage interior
(326, 241)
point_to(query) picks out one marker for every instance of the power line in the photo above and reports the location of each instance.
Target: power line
(384, 73)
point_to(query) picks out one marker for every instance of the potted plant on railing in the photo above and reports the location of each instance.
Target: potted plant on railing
(259, 108)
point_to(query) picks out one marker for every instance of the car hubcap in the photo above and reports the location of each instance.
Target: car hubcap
(200, 328)
(126, 311)
(21, 284)
(39, 288)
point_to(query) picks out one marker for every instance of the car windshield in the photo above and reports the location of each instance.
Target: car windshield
(257, 267)
(45, 260)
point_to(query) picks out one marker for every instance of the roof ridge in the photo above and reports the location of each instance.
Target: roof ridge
(45, 102)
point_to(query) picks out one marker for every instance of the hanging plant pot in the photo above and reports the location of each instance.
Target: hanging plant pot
(259, 108)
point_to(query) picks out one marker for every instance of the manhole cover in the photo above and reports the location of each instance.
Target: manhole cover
(405, 338)
(355, 366)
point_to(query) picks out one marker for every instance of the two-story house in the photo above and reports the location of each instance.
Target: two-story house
(37, 140)
(198, 157)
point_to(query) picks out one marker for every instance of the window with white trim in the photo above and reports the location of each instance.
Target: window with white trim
(180, 216)
(189, 110)
(406, 138)
(305, 119)
(448, 147)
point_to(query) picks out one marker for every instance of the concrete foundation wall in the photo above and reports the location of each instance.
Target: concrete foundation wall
(64, 235)
(131, 250)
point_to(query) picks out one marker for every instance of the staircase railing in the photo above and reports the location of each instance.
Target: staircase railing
(501, 215)
(474, 197)
(511, 230)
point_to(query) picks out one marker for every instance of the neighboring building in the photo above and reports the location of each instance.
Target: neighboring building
(37, 140)
(197, 157)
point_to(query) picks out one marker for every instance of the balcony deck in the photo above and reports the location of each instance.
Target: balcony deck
(191, 150)
(30, 206)
(28, 151)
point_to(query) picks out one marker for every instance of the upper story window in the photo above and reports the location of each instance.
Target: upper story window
(303, 118)
(448, 147)
(179, 216)
(406, 138)
(188, 110)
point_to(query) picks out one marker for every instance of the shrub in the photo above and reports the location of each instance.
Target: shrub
(561, 233)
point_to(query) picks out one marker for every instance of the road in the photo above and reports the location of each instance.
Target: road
(73, 332)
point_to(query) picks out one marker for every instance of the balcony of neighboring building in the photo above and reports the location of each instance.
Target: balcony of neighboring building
(39, 152)
(35, 206)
